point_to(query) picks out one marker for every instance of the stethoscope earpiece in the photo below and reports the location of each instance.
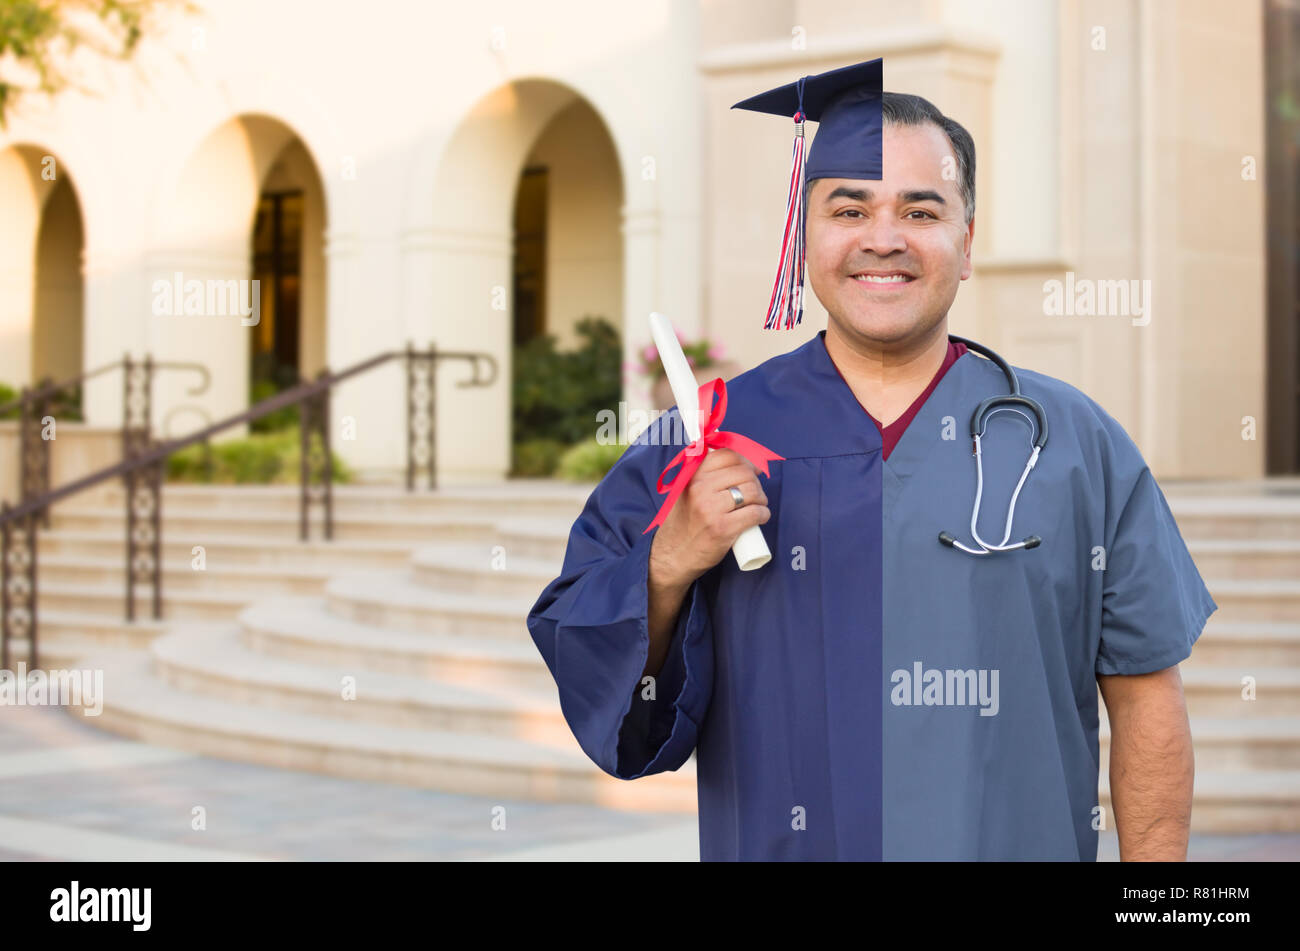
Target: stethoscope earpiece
(1013, 402)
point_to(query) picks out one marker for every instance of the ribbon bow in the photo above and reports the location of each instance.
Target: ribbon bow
(710, 438)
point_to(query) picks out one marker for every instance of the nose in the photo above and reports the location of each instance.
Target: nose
(882, 235)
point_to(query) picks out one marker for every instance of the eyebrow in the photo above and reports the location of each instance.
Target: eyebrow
(865, 194)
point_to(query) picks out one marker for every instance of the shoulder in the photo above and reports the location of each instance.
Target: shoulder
(782, 377)
(790, 403)
(1078, 420)
(1075, 407)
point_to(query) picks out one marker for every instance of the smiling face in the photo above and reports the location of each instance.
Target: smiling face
(885, 258)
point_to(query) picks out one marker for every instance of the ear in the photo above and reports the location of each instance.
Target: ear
(968, 242)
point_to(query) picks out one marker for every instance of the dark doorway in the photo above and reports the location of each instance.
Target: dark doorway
(1282, 122)
(277, 265)
(530, 255)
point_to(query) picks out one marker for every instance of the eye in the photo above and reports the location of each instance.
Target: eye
(847, 211)
(920, 211)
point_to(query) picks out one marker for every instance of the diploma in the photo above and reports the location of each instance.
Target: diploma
(750, 548)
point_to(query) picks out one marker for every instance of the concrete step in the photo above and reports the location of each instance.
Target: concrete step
(110, 602)
(302, 629)
(213, 660)
(197, 526)
(398, 603)
(245, 550)
(1259, 558)
(541, 497)
(102, 630)
(252, 581)
(1253, 645)
(542, 538)
(1245, 517)
(140, 705)
(484, 570)
(1233, 803)
(55, 653)
(1250, 599)
(1237, 744)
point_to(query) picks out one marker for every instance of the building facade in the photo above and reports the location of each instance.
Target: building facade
(471, 176)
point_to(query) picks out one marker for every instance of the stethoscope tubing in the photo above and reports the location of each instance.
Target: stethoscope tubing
(979, 420)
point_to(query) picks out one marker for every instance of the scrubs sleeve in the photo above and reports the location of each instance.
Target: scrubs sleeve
(591, 626)
(1154, 602)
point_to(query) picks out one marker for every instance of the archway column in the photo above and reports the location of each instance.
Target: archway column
(17, 285)
(456, 285)
(219, 341)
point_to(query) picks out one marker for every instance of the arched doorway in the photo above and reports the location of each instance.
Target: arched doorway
(523, 237)
(249, 206)
(568, 250)
(41, 284)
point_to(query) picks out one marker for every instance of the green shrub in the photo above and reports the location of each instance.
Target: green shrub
(589, 461)
(7, 395)
(260, 458)
(277, 421)
(536, 457)
(557, 394)
(64, 405)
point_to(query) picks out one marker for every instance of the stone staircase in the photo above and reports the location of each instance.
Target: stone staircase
(411, 606)
(396, 652)
(1245, 539)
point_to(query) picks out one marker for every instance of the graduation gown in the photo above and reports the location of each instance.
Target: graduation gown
(870, 693)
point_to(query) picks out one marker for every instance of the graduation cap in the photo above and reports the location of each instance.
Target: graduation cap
(845, 103)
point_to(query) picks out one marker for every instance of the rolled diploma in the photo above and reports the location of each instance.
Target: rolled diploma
(750, 548)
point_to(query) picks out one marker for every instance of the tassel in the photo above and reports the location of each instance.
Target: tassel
(786, 304)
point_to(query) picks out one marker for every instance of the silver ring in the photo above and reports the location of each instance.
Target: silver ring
(736, 496)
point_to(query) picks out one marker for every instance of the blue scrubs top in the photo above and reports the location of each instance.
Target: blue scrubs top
(871, 694)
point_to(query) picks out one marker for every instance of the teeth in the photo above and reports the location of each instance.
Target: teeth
(891, 279)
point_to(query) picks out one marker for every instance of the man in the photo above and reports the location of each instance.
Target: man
(873, 693)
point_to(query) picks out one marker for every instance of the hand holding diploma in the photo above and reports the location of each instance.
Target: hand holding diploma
(716, 511)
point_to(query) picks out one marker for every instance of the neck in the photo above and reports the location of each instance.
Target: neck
(888, 378)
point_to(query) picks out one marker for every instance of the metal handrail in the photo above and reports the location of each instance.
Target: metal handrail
(47, 388)
(34, 404)
(143, 474)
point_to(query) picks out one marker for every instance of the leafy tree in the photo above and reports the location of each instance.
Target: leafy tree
(37, 37)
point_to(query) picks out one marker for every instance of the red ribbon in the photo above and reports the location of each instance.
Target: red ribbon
(710, 438)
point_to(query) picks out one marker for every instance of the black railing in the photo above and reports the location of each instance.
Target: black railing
(144, 469)
(33, 404)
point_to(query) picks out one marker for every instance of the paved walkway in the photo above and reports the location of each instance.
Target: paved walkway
(71, 792)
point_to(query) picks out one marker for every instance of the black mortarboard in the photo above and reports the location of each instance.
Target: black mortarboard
(845, 103)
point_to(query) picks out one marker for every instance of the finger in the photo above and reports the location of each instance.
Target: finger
(721, 478)
(744, 517)
(736, 476)
(722, 458)
(751, 493)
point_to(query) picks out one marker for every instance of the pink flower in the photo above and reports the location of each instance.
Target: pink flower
(690, 361)
(650, 354)
(715, 352)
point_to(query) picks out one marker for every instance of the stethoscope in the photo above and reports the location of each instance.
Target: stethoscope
(990, 406)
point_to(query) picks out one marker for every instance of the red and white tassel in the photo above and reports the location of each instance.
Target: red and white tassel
(786, 305)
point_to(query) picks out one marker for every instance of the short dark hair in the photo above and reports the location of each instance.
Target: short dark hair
(900, 108)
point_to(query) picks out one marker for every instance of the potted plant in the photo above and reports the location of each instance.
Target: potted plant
(707, 360)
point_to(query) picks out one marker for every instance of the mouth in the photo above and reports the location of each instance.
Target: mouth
(883, 279)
